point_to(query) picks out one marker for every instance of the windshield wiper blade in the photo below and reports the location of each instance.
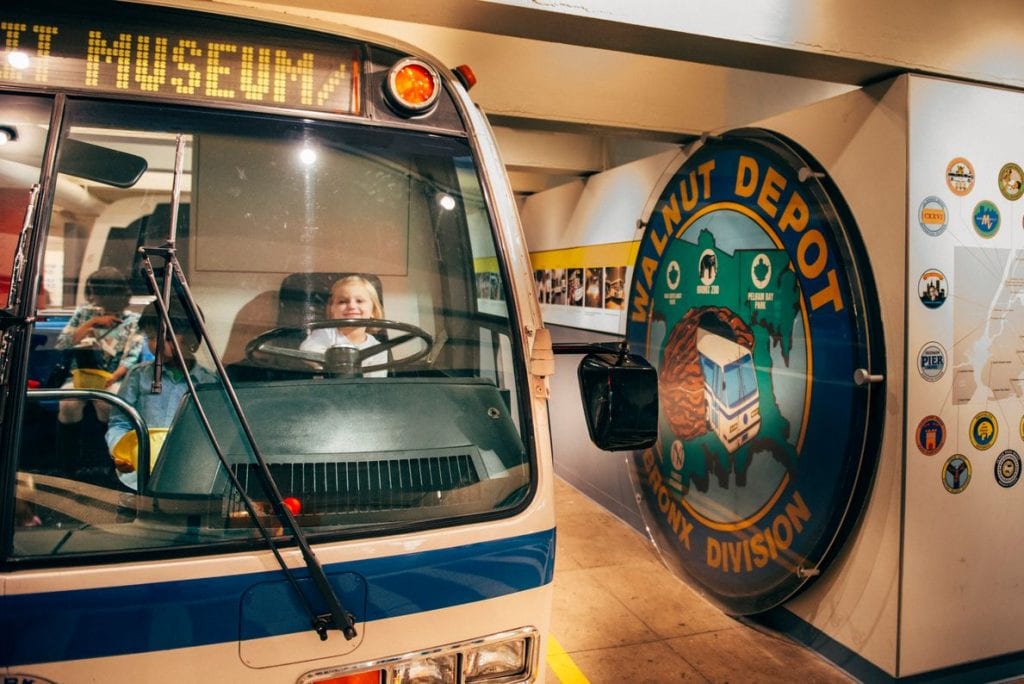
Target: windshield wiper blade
(337, 616)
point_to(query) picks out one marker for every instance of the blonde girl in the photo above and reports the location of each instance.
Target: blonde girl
(351, 297)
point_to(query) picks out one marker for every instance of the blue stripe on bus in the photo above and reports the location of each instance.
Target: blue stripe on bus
(730, 415)
(93, 623)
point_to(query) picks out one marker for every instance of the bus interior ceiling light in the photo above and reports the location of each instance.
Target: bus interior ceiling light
(307, 155)
(18, 60)
(7, 134)
(446, 201)
(412, 87)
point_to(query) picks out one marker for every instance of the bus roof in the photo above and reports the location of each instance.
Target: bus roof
(719, 349)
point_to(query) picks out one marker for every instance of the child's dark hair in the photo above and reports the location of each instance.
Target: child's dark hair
(108, 284)
(150, 319)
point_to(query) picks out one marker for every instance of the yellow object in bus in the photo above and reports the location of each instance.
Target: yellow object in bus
(127, 449)
(90, 378)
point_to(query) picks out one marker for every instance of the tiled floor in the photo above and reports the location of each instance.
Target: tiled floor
(622, 617)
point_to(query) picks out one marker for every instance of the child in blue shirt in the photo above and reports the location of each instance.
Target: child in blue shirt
(106, 327)
(136, 388)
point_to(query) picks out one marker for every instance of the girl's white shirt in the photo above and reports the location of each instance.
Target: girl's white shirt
(323, 338)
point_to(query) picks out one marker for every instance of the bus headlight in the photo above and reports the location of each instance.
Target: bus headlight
(490, 662)
(505, 658)
(430, 670)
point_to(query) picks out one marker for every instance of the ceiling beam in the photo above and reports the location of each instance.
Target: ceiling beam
(574, 88)
(830, 40)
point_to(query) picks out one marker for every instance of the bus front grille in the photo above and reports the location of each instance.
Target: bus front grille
(361, 485)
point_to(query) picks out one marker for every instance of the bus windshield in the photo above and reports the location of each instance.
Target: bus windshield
(347, 278)
(740, 382)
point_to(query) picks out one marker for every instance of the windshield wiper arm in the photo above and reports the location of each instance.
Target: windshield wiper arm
(337, 616)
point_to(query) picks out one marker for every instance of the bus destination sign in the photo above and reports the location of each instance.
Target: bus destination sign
(219, 61)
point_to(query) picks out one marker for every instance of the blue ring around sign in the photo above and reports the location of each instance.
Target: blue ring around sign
(761, 457)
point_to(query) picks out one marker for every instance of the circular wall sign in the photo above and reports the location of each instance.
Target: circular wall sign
(756, 370)
(1011, 181)
(931, 361)
(1007, 468)
(960, 176)
(933, 216)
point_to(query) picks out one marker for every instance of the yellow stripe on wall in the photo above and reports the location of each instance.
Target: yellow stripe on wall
(485, 265)
(588, 256)
(609, 254)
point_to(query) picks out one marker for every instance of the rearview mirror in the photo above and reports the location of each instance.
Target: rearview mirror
(101, 164)
(620, 400)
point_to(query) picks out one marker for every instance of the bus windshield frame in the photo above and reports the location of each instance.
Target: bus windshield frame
(398, 203)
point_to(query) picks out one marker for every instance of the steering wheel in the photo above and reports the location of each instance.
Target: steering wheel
(346, 361)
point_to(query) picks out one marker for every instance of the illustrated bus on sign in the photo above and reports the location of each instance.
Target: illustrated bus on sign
(730, 389)
(377, 508)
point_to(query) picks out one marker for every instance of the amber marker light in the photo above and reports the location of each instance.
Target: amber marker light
(412, 87)
(465, 75)
(372, 677)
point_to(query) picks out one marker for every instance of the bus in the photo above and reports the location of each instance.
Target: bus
(186, 195)
(730, 389)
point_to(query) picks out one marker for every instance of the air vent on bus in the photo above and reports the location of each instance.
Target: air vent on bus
(364, 485)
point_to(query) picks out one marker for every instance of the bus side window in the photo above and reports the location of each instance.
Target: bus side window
(13, 203)
(24, 125)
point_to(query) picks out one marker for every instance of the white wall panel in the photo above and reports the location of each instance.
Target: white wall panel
(962, 568)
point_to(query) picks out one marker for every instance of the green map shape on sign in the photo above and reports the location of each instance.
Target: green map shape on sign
(756, 291)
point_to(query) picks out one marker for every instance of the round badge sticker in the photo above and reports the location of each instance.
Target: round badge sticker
(933, 216)
(672, 275)
(984, 430)
(956, 473)
(932, 288)
(960, 176)
(761, 271)
(1011, 181)
(1007, 468)
(986, 219)
(931, 435)
(931, 361)
(708, 267)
